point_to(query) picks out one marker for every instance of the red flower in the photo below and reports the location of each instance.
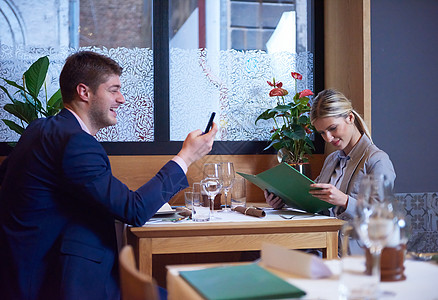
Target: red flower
(278, 92)
(305, 93)
(296, 75)
(275, 84)
(308, 131)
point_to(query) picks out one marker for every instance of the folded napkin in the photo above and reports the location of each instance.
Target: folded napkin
(183, 211)
(250, 211)
(293, 261)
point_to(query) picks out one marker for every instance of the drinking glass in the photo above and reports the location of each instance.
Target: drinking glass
(211, 187)
(212, 170)
(227, 177)
(238, 193)
(212, 183)
(197, 187)
(375, 223)
(188, 198)
(200, 210)
(354, 281)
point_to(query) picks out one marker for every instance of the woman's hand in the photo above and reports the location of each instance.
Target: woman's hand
(273, 200)
(329, 193)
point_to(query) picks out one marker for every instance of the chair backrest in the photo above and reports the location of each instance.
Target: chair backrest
(134, 284)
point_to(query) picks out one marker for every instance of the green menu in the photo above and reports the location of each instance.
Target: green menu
(249, 281)
(290, 185)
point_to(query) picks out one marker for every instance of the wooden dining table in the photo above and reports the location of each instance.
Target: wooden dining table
(234, 232)
(419, 283)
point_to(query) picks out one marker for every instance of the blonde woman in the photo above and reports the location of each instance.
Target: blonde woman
(340, 125)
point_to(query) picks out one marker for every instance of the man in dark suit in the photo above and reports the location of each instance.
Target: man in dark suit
(59, 199)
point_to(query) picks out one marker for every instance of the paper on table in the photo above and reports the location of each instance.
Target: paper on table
(293, 261)
(165, 209)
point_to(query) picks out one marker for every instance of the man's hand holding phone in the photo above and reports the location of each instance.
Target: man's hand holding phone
(210, 122)
(198, 144)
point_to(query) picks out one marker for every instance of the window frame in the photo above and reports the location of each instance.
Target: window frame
(162, 144)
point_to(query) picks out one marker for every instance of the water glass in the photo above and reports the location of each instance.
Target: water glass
(238, 192)
(355, 282)
(188, 198)
(200, 208)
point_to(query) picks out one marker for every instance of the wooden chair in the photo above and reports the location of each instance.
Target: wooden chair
(134, 284)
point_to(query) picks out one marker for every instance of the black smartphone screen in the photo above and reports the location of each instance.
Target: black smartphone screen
(210, 122)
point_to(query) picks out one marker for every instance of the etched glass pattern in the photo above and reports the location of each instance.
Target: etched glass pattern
(135, 117)
(231, 83)
(234, 85)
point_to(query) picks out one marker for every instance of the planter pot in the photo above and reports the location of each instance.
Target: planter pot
(286, 156)
(303, 168)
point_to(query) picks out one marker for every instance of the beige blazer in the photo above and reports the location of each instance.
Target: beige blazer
(365, 158)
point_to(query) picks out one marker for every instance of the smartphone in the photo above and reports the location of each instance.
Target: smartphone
(210, 122)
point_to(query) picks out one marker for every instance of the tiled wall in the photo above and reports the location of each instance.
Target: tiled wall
(421, 211)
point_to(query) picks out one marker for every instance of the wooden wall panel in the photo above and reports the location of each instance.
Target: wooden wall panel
(136, 170)
(347, 44)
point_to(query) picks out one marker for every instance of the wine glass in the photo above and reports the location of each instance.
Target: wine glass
(227, 176)
(212, 183)
(375, 222)
(211, 186)
(212, 170)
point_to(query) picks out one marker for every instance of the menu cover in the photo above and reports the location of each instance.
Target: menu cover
(249, 281)
(290, 185)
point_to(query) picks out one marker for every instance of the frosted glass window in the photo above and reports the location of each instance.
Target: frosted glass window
(121, 30)
(135, 117)
(222, 53)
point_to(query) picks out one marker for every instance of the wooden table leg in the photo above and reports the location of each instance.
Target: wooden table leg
(145, 256)
(332, 245)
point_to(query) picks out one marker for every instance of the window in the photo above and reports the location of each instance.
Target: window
(182, 60)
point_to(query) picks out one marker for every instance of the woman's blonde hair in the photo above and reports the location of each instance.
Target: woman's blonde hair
(331, 103)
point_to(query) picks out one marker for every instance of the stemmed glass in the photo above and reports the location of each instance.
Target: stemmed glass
(212, 183)
(375, 222)
(227, 177)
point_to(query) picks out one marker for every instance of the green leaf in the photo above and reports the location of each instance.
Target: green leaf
(35, 102)
(304, 101)
(275, 143)
(14, 126)
(303, 119)
(266, 115)
(23, 111)
(297, 132)
(14, 84)
(6, 92)
(55, 100)
(282, 108)
(309, 142)
(35, 76)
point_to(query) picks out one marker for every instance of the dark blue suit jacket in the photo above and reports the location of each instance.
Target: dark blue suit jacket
(58, 204)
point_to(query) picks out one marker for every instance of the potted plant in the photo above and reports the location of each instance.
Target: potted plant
(27, 106)
(292, 130)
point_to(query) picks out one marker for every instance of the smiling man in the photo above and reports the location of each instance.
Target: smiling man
(59, 199)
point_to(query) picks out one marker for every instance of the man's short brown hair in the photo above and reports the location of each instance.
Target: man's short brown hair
(86, 67)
